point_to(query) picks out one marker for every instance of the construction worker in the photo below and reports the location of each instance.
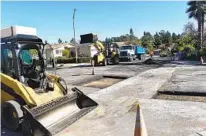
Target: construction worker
(151, 53)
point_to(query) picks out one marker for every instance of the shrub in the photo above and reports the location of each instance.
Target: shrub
(65, 52)
(189, 49)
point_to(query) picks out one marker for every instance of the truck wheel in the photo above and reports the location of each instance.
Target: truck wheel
(11, 115)
(140, 57)
(116, 60)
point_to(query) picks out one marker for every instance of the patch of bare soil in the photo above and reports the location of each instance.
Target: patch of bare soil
(102, 83)
(181, 97)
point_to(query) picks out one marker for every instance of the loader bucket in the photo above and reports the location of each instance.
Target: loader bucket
(53, 117)
(88, 38)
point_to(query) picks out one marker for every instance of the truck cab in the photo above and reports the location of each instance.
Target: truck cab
(127, 53)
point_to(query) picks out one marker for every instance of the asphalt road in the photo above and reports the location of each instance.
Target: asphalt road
(78, 74)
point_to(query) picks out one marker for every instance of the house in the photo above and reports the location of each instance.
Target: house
(58, 48)
(55, 50)
(87, 50)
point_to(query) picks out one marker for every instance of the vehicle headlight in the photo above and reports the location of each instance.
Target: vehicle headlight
(128, 54)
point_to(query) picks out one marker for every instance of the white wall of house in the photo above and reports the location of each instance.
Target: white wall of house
(84, 50)
(58, 52)
(87, 50)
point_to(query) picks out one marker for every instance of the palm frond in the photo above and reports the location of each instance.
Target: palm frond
(191, 8)
(192, 14)
(190, 3)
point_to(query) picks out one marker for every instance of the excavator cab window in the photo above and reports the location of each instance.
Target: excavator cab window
(7, 62)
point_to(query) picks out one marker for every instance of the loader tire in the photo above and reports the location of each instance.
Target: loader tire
(26, 128)
(11, 115)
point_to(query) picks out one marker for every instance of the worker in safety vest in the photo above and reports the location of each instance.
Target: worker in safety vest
(151, 53)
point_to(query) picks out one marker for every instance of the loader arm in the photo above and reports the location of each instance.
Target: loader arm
(99, 46)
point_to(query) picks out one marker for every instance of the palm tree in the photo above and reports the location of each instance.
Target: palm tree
(197, 10)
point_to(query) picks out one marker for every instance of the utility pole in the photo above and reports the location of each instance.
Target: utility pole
(74, 36)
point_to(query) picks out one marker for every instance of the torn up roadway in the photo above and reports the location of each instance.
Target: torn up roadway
(116, 113)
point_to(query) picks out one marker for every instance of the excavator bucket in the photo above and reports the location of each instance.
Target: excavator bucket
(53, 117)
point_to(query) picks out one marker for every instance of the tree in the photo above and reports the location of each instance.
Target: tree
(197, 10)
(191, 32)
(131, 32)
(174, 38)
(132, 36)
(157, 40)
(73, 41)
(66, 42)
(147, 40)
(59, 40)
(45, 42)
(107, 40)
(127, 38)
(166, 37)
(190, 28)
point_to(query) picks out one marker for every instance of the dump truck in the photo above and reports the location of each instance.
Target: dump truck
(106, 53)
(131, 52)
(32, 100)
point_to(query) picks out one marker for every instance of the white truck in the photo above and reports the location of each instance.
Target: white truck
(127, 53)
(131, 52)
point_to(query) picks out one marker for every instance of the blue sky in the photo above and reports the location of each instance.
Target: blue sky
(53, 20)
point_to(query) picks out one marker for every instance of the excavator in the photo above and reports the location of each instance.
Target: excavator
(34, 101)
(106, 54)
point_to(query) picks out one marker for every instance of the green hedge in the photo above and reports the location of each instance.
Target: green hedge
(64, 59)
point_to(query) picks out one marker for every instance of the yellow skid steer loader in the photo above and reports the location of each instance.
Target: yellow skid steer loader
(33, 101)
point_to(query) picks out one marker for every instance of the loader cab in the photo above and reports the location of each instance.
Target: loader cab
(21, 58)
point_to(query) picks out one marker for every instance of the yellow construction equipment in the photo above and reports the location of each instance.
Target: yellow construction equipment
(32, 100)
(105, 53)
